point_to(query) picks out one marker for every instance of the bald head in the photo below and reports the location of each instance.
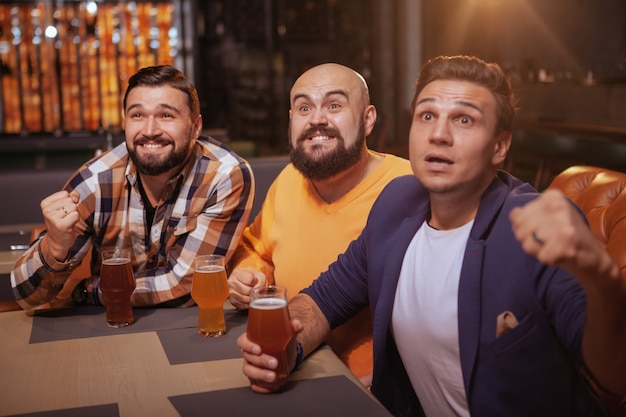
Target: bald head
(329, 119)
(331, 78)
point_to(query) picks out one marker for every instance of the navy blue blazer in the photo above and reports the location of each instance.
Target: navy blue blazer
(532, 370)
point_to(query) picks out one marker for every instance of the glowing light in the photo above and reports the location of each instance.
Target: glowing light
(92, 7)
(51, 32)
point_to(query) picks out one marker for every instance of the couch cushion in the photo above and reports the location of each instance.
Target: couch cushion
(601, 194)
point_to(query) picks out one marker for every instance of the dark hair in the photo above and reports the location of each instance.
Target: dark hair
(166, 75)
(474, 70)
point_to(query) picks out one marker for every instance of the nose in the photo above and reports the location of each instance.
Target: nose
(440, 132)
(151, 127)
(318, 118)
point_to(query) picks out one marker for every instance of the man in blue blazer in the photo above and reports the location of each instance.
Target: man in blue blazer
(488, 298)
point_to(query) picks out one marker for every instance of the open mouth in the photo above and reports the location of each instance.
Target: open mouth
(437, 160)
(319, 135)
(152, 145)
(321, 138)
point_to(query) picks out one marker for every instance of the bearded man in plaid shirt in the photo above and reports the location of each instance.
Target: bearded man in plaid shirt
(167, 193)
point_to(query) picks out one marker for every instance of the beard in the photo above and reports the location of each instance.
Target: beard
(155, 165)
(332, 162)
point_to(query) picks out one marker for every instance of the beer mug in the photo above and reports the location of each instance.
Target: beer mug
(209, 290)
(269, 325)
(117, 283)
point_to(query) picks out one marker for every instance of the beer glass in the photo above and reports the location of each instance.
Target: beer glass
(269, 325)
(210, 290)
(117, 283)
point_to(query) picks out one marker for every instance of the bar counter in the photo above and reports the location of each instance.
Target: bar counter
(68, 362)
(14, 239)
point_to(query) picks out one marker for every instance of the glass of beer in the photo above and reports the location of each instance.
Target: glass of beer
(210, 290)
(117, 283)
(269, 325)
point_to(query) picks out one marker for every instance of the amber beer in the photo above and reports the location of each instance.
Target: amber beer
(210, 290)
(117, 283)
(269, 325)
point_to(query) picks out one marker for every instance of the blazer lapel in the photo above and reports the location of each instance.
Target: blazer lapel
(469, 305)
(394, 253)
(470, 285)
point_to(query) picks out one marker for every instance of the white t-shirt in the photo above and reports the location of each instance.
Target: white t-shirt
(425, 322)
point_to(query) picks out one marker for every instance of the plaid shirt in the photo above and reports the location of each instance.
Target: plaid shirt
(206, 208)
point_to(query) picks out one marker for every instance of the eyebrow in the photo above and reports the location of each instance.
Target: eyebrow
(330, 93)
(460, 102)
(160, 107)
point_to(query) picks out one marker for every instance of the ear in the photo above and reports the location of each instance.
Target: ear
(197, 126)
(501, 147)
(369, 118)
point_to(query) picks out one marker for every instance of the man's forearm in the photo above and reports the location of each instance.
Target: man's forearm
(316, 327)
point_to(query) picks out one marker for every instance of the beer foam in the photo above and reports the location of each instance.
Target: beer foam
(210, 268)
(268, 303)
(116, 261)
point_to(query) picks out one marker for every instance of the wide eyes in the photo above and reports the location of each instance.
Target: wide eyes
(139, 115)
(306, 108)
(462, 119)
(332, 106)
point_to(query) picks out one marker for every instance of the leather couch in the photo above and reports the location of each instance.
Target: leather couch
(601, 194)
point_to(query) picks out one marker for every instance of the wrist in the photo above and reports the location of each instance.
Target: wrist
(54, 250)
(299, 356)
(50, 261)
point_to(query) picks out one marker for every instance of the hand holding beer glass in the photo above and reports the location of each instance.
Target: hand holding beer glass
(117, 283)
(269, 325)
(210, 290)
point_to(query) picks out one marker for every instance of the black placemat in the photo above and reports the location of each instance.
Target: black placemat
(104, 410)
(177, 329)
(328, 397)
(186, 345)
(84, 322)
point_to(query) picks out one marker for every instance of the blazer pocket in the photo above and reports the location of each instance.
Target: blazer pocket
(517, 336)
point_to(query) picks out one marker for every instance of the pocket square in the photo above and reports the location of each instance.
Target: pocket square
(505, 322)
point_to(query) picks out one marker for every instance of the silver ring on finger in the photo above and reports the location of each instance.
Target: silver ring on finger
(537, 239)
(65, 210)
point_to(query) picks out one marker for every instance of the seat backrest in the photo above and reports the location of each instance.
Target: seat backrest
(265, 170)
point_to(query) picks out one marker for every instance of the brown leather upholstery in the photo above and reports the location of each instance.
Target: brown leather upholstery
(601, 194)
